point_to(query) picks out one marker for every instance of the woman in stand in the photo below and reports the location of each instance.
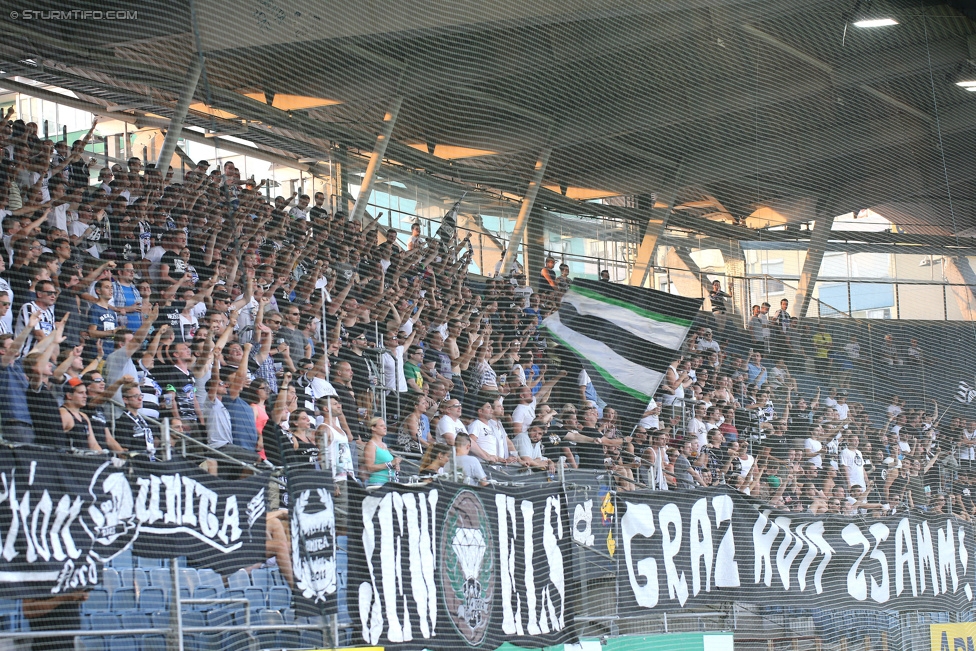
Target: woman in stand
(414, 435)
(78, 431)
(304, 448)
(435, 461)
(378, 462)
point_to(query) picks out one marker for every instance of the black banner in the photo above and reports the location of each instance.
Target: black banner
(62, 517)
(313, 541)
(449, 567)
(681, 550)
(183, 511)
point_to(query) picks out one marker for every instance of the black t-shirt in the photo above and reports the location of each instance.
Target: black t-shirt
(98, 422)
(590, 454)
(135, 433)
(172, 379)
(46, 417)
(351, 411)
(360, 371)
(177, 265)
(307, 454)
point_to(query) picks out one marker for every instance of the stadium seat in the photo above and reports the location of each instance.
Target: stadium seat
(239, 580)
(255, 597)
(152, 600)
(269, 638)
(98, 600)
(161, 577)
(205, 592)
(122, 643)
(123, 559)
(194, 641)
(90, 644)
(148, 563)
(110, 579)
(279, 598)
(261, 578)
(276, 578)
(134, 577)
(11, 617)
(104, 621)
(153, 643)
(312, 639)
(210, 578)
(124, 599)
(189, 578)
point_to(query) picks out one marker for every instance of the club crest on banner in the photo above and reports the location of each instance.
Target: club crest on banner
(468, 568)
(111, 518)
(313, 525)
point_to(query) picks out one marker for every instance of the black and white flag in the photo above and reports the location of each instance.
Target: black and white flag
(966, 394)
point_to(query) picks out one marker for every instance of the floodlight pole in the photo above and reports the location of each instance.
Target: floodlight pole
(179, 114)
(375, 160)
(528, 200)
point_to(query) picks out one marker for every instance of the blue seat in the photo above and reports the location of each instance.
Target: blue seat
(122, 643)
(210, 578)
(11, 615)
(311, 639)
(135, 619)
(276, 577)
(255, 597)
(161, 618)
(124, 599)
(110, 579)
(91, 644)
(161, 577)
(104, 621)
(97, 600)
(122, 559)
(261, 578)
(279, 598)
(134, 577)
(194, 641)
(189, 578)
(289, 614)
(152, 600)
(239, 580)
(149, 563)
(205, 592)
(268, 638)
(153, 643)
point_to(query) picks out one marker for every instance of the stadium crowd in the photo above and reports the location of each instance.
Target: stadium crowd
(280, 332)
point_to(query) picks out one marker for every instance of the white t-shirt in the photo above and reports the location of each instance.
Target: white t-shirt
(854, 462)
(481, 433)
(700, 430)
(650, 422)
(526, 448)
(842, 410)
(448, 425)
(967, 453)
(747, 464)
(523, 416)
(813, 445)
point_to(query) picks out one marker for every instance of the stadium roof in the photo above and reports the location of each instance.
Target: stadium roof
(734, 105)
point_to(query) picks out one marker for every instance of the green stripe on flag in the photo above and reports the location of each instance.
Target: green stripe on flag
(634, 393)
(647, 314)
